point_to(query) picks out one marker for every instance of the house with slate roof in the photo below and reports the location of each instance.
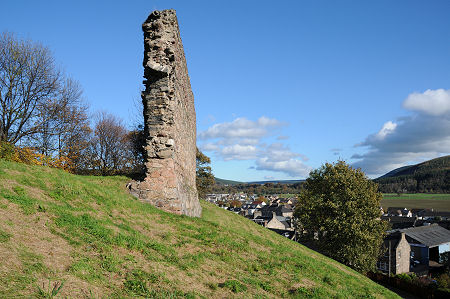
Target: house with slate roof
(276, 217)
(397, 222)
(396, 255)
(279, 223)
(396, 211)
(280, 210)
(435, 215)
(426, 245)
(428, 242)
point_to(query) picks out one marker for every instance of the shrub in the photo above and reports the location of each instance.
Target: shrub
(6, 150)
(407, 278)
(444, 281)
(30, 156)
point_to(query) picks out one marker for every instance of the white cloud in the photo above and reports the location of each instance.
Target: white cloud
(278, 152)
(239, 152)
(291, 167)
(242, 139)
(432, 102)
(208, 147)
(241, 128)
(282, 137)
(388, 128)
(268, 122)
(376, 163)
(279, 158)
(424, 135)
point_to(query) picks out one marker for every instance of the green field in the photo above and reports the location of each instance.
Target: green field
(438, 202)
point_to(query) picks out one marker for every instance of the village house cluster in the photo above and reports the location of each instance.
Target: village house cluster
(272, 212)
(417, 242)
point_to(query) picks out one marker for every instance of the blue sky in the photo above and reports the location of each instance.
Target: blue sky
(280, 87)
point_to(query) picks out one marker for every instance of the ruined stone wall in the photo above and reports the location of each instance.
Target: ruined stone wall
(170, 123)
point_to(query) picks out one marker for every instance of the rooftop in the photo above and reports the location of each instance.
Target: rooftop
(431, 235)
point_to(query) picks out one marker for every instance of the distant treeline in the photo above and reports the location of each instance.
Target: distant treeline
(432, 176)
(259, 189)
(428, 177)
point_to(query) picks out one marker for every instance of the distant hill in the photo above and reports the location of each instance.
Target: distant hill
(91, 234)
(259, 187)
(431, 176)
(278, 182)
(227, 182)
(396, 172)
(233, 183)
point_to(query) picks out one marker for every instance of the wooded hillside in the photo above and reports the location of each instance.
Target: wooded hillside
(432, 176)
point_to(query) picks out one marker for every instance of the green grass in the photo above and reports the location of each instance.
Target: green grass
(4, 236)
(438, 202)
(89, 232)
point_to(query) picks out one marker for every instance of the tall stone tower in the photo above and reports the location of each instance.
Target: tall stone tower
(170, 124)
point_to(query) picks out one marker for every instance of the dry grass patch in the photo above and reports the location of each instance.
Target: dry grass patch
(7, 184)
(33, 233)
(9, 258)
(305, 282)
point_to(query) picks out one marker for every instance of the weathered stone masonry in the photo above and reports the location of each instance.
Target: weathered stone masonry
(169, 115)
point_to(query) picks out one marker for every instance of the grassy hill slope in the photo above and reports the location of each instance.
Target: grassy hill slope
(431, 176)
(89, 233)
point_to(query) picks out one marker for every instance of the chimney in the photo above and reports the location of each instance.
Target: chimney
(402, 236)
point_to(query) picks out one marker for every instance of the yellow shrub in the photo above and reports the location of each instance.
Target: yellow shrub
(28, 155)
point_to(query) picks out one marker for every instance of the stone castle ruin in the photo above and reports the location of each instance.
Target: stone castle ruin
(169, 116)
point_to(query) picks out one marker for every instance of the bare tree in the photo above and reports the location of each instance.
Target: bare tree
(28, 80)
(109, 145)
(71, 125)
(60, 119)
(136, 151)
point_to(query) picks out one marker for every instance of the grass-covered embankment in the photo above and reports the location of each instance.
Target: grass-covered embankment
(89, 233)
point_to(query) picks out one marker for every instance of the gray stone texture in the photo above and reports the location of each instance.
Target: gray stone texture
(169, 117)
(401, 262)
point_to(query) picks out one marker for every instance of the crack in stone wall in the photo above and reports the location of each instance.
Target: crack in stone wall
(169, 118)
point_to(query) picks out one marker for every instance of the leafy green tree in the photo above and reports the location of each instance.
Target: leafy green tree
(339, 208)
(205, 178)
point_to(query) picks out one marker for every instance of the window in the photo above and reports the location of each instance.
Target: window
(383, 266)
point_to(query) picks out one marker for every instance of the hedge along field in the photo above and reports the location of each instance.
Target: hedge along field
(438, 202)
(86, 237)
